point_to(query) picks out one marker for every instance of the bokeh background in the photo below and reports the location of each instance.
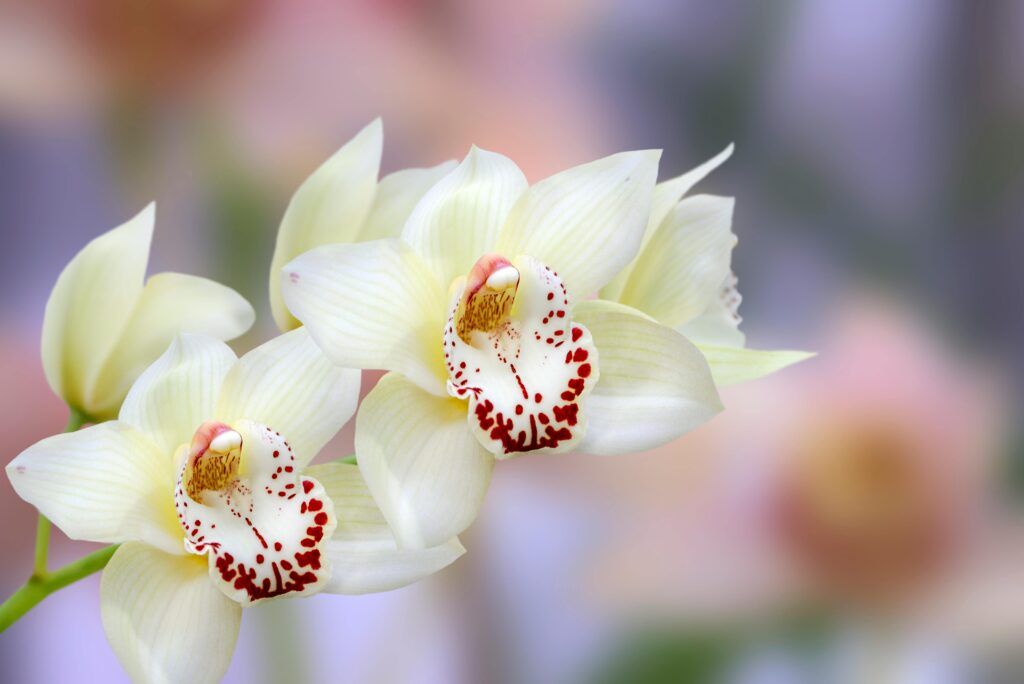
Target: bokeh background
(853, 519)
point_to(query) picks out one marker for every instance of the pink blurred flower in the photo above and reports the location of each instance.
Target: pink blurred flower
(863, 478)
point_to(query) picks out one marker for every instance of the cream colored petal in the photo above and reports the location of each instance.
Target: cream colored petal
(372, 305)
(291, 386)
(397, 195)
(719, 324)
(458, 219)
(329, 207)
(107, 483)
(170, 303)
(164, 619)
(90, 305)
(586, 223)
(654, 384)
(731, 365)
(179, 391)
(665, 197)
(680, 273)
(363, 553)
(426, 470)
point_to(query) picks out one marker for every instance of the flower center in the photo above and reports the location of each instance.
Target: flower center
(513, 351)
(241, 502)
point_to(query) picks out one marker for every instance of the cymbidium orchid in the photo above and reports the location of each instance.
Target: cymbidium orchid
(480, 312)
(682, 277)
(342, 201)
(204, 480)
(104, 325)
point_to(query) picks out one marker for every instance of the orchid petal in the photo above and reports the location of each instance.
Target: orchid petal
(458, 219)
(397, 195)
(654, 386)
(719, 324)
(107, 483)
(288, 384)
(363, 553)
(164, 619)
(89, 308)
(170, 303)
(179, 391)
(587, 222)
(329, 207)
(680, 272)
(731, 365)
(371, 305)
(665, 197)
(425, 469)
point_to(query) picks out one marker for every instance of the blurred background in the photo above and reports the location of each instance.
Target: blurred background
(853, 519)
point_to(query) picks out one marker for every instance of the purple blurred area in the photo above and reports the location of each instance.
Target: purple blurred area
(852, 519)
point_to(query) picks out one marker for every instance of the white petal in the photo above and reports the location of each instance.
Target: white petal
(425, 469)
(371, 305)
(458, 220)
(397, 195)
(719, 324)
(90, 306)
(665, 197)
(106, 483)
(179, 391)
(164, 619)
(731, 365)
(288, 384)
(170, 303)
(667, 194)
(681, 270)
(363, 553)
(654, 384)
(586, 222)
(329, 207)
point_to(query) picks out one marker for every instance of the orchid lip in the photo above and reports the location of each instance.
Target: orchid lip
(242, 502)
(514, 353)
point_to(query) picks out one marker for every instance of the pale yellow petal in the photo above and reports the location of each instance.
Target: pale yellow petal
(179, 391)
(426, 470)
(654, 385)
(171, 303)
(90, 306)
(665, 197)
(372, 305)
(680, 272)
(458, 219)
(329, 207)
(397, 195)
(731, 365)
(166, 622)
(363, 553)
(107, 483)
(586, 223)
(291, 386)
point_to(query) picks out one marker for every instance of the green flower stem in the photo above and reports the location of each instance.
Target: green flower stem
(42, 583)
(39, 587)
(42, 546)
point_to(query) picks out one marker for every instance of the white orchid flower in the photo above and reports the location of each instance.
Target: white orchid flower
(103, 326)
(477, 311)
(682, 277)
(342, 201)
(203, 479)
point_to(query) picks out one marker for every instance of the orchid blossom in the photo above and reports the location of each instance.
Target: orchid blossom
(342, 201)
(682, 277)
(103, 326)
(204, 480)
(479, 311)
